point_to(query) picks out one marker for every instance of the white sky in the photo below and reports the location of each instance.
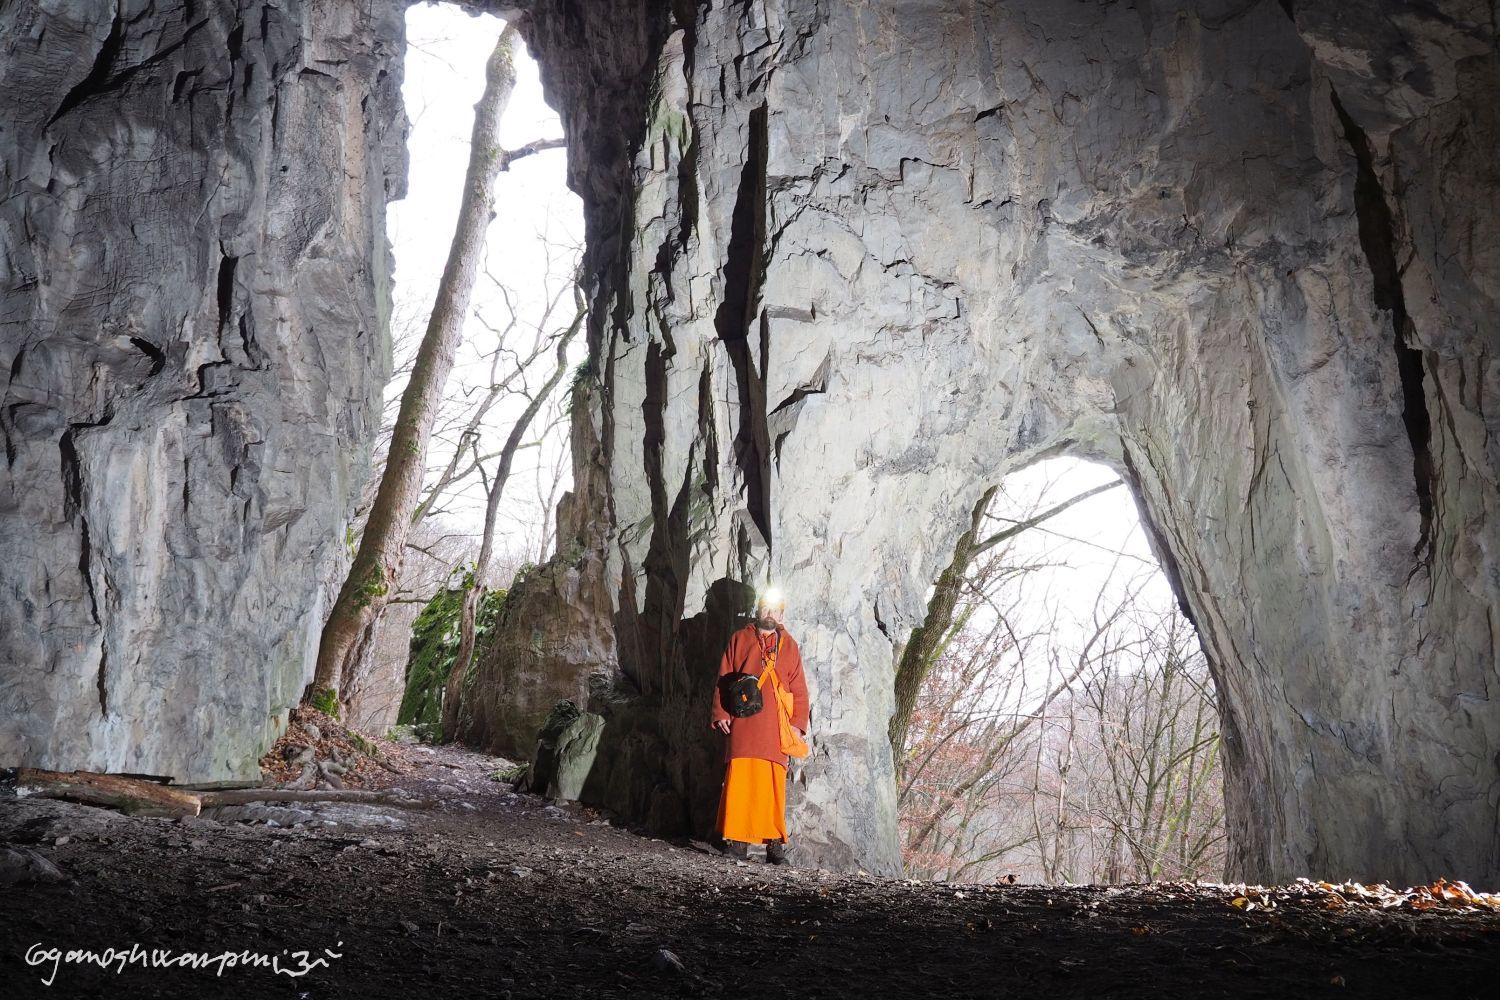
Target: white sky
(1097, 550)
(1098, 539)
(444, 76)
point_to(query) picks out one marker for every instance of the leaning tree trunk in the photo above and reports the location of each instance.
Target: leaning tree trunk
(377, 563)
(474, 594)
(926, 640)
(929, 639)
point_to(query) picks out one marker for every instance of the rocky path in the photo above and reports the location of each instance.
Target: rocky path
(493, 893)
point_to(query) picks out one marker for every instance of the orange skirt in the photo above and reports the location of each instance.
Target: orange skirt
(752, 807)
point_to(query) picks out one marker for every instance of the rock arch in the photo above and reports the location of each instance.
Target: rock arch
(871, 258)
(848, 262)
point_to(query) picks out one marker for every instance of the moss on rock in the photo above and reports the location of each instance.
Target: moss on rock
(434, 647)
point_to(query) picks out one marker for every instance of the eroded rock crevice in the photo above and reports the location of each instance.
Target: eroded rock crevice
(1377, 238)
(735, 320)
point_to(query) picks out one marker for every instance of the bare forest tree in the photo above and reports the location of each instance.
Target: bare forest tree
(1133, 789)
(547, 485)
(516, 354)
(376, 568)
(1096, 762)
(944, 617)
(474, 587)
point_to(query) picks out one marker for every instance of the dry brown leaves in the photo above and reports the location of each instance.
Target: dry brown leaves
(1452, 897)
(333, 743)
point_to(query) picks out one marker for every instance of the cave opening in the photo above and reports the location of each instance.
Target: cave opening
(1055, 717)
(955, 230)
(521, 299)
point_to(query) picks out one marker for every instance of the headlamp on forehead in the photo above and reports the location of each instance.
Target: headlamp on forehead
(772, 599)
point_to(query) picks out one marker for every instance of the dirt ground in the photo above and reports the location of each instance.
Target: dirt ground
(491, 893)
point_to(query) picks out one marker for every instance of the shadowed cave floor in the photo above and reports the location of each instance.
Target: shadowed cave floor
(497, 894)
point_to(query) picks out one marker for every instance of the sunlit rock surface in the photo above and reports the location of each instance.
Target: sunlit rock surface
(193, 285)
(851, 263)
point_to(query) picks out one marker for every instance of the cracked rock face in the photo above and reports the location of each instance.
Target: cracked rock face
(853, 263)
(193, 285)
(850, 264)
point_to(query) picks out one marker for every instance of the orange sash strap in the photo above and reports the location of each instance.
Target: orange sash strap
(791, 744)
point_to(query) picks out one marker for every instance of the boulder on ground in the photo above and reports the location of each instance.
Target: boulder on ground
(565, 750)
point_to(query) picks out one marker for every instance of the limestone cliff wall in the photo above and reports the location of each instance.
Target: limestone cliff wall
(193, 286)
(851, 263)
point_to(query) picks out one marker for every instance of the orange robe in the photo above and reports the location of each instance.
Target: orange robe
(752, 806)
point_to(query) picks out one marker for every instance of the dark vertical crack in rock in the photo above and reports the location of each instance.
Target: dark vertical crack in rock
(101, 682)
(72, 477)
(85, 567)
(235, 43)
(742, 270)
(880, 624)
(7, 416)
(1377, 237)
(72, 483)
(666, 561)
(687, 190)
(227, 266)
(760, 434)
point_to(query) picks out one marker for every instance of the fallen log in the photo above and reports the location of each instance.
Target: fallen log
(218, 786)
(131, 796)
(246, 796)
(137, 797)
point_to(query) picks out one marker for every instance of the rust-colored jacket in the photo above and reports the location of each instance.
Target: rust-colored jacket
(759, 735)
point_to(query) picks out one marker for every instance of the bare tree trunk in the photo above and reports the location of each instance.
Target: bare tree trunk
(377, 564)
(549, 503)
(922, 647)
(927, 640)
(239, 797)
(476, 589)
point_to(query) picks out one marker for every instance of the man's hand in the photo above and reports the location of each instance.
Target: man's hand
(722, 725)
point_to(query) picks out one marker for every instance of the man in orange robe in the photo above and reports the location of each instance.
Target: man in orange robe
(752, 807)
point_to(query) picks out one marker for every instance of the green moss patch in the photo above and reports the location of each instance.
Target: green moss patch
(326, 700)
(434, 647)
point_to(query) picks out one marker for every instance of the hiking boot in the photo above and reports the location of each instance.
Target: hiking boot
(778, 853)
(736, 849)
